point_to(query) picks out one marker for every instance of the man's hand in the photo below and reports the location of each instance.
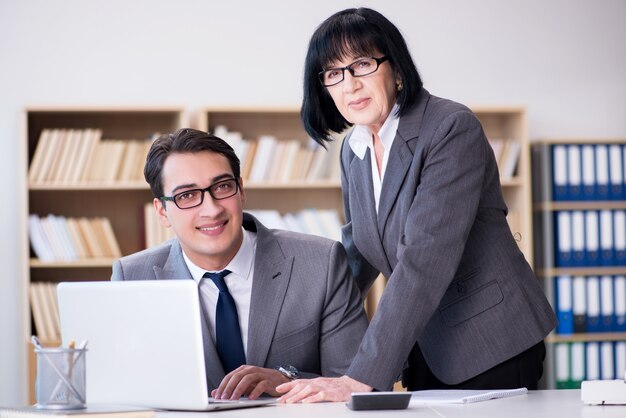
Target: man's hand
(330, 389)
(249, 381)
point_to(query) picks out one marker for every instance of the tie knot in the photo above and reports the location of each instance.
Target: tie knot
(218, 279)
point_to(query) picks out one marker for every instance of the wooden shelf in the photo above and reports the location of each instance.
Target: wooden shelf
(582, 271)
(144, 186)
(586, 337)
(586, 205)
(89, 262)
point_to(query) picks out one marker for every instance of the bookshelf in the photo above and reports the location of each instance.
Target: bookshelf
(122, 200)
(505, 125)
(118, 200)
(580, 217)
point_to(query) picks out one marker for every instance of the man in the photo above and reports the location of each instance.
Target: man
(276, 304)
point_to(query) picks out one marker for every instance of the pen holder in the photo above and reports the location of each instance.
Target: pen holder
(61, 378)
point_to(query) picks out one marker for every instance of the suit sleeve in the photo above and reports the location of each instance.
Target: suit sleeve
(362, 271)
(343, 321)
(118, 272)
(437, 227)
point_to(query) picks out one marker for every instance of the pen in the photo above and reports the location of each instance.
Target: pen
(70, 363)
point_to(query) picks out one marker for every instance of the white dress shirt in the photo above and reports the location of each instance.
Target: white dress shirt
(239, 284)
(362, 139)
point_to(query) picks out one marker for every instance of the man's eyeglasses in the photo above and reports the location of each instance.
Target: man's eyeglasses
(359, 68)
(191, 198)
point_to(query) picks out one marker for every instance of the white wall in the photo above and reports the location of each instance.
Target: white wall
(564, 59)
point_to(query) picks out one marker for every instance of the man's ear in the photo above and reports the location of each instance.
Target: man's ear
(161, 211)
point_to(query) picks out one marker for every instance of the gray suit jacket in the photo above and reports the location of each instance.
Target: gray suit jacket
(305, 309)
(458, 284)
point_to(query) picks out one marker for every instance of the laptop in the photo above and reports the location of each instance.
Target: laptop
(144, 343)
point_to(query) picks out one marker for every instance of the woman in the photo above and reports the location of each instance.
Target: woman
(424, 207)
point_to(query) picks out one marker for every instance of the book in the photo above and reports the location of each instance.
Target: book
(92, 411)
(454, 396)
(109, 237)
(36, 306)
(39, 155)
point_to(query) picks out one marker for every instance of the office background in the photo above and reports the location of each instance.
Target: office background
(563, 59)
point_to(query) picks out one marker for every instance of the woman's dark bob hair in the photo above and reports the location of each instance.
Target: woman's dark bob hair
(358, 32)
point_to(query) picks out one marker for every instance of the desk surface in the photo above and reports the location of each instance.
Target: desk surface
(536, 404)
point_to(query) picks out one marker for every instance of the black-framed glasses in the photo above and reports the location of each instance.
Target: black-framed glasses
(220, 190)
(358, 68)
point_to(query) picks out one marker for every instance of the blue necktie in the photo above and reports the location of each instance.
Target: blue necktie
(227, 331)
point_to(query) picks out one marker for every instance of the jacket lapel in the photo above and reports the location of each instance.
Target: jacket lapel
(272, 272)
(176, 269)
(400, 158)
(363, 207)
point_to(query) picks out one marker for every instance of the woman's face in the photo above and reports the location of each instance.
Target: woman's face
(365, 100)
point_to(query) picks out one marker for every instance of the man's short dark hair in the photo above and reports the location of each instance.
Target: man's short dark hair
(182, 141)
(358, 32)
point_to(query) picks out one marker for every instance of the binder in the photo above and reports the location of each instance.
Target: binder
(606, 237)
(562, 367)
(592, 363)
(602, 172)
(593, 305)
(592, 238)
(574, 170)
(588, 172)
(607, 361)
(578, 239)
(559, 175)
(579, 303)
(564, 305)
(619, 290)
(616, 172)
(619, 237)
(620, 359)
(607, 309)
(577, 374)
(564, 239)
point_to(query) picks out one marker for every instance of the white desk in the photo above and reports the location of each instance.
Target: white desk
(536, 404)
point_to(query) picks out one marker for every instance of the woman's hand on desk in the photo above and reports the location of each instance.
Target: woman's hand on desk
(329, 389)
(251, 381)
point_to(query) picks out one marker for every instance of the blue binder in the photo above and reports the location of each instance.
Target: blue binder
(578, 239)
(606, 238)
(579, 303)
(592, 238)
(563, 239)
(588, 158)
(594, 323)
(619, 288)
(564, 313)
(559, 173)
(607, 305)
(616, 172)
(602, 172)
(574, 172)
(619, 237)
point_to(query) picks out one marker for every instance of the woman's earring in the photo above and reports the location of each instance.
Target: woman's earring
(399, 85)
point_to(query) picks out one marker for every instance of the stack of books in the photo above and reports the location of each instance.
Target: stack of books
(507, 152)
(57, 238)
(322, 222)
(267, 159)
(43, 303)
(70, 157)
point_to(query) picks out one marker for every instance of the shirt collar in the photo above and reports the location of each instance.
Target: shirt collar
(241, 264)
(361, 137)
